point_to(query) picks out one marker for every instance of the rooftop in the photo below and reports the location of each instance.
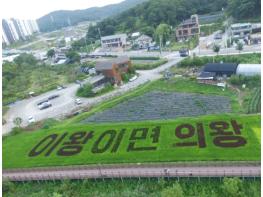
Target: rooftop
(113, 36)
(107, 65)
(220, 67)
(240, 24)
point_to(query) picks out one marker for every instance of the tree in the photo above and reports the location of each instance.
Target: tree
(174, 191)
(149, 31)
(18, 121)
(51, 53)
(73, 56)
(232, 187)
(216, 48)
(162, 33)
(239, 46)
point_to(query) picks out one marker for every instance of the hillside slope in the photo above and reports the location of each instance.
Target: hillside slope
(63, 18)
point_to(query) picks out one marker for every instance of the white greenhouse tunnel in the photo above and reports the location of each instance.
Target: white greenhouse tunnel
(249, 69)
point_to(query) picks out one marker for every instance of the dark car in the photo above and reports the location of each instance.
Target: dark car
(53, 96)
(41, 102)
(45, 106)
(184, 52)
(218, 36)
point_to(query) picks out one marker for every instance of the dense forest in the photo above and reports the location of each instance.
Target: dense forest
(63, 18)
(147, 16)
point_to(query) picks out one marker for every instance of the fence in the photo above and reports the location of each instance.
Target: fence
(166, 170)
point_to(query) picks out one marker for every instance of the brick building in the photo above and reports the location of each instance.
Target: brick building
(188, 28)
(113, 69)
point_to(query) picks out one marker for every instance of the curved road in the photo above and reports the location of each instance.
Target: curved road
(64, 104)
(60, 173)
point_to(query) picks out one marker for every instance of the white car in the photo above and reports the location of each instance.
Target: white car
(78, 101)
(133, 78)
(31, 119)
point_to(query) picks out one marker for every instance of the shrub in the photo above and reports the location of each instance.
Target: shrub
(144, 58)
(49, 123)
(242, 58)
(16, 131)
(149, 66)
(85, 91)
(7, 186)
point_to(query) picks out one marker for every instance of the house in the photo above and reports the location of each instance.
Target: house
(188, 28)
(221, 69)
(114, 41)
(240, 30)
(113, 69)
(143, 41)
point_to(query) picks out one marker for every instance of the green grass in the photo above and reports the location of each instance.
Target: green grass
(150, 65)
(254, 58)
(208, 29)
(16, 148)
(254, 102)
(191, 44)
(130, 187)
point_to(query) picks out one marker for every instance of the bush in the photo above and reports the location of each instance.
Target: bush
(254, 58)
(144, 58)
(149, 66)
(85, 91)
(7, 186)
(49, 123)
(250, 81)
(16, 131)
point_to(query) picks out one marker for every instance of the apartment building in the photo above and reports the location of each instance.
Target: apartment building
(114, 41)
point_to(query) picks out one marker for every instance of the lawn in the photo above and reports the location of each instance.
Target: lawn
(134, 187)
(129, 143)
(148, 64)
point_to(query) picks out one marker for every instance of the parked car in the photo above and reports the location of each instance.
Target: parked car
(45, 105)
(78, 101)
(218, 36)
(53, 96)
(154, 48)
(31, 119)
(41, 102)
(133, 78)
(184, 52)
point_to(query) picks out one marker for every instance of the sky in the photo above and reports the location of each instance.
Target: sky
(33, 9)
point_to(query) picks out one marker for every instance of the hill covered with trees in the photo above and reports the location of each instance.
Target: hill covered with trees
(63, 18)
(147, 16)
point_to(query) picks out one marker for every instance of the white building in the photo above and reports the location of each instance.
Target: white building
(4, 38)
(13, 29)
(114, 41)
(249, 69)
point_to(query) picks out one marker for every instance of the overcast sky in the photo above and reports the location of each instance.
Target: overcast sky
(33, 9)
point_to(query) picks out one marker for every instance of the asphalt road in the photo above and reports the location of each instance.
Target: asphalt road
(59, 173)
(64, 104)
